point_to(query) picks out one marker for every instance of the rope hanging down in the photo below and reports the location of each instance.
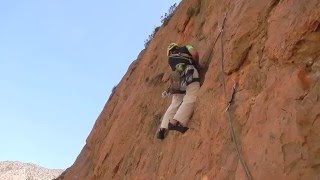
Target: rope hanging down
(231, 129)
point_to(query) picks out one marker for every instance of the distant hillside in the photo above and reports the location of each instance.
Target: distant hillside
(13, 170)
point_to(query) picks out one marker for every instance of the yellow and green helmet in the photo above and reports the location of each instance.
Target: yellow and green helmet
(170, 47)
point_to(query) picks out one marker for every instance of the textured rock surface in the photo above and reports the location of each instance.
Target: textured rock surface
(272, 49)
(10, 170)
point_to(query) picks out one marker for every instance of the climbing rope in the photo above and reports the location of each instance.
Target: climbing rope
(231, 129)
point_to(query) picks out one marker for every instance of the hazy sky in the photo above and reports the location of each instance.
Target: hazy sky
(59, 60)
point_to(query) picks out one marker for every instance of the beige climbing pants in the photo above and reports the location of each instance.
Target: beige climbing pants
(181, 107)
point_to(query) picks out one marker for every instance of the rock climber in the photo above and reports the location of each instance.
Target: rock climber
(185, 84)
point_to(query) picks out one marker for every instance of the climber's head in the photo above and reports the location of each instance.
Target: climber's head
(171, 47)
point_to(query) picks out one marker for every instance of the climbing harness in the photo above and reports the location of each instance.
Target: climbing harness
(231, 129)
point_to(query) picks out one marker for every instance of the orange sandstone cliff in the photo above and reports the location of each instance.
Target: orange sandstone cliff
(271, 48)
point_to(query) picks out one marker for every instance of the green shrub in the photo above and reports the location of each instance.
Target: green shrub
(151, 36)
(164, 20)
(167, 16)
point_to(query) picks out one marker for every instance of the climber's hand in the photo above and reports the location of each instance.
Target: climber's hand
(165, 94)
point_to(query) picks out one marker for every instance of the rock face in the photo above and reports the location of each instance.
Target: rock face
(271, 48)
(24, 171)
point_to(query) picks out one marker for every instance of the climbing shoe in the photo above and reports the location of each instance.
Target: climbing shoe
(161, 133)
(177, 127)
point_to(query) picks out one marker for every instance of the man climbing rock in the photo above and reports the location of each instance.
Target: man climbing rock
(185, 84)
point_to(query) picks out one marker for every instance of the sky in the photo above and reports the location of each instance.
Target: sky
(59, 60)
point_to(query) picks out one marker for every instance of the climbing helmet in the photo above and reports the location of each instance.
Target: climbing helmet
(170, 47)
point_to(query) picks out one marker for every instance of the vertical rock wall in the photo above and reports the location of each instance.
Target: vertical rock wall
(271, 48)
